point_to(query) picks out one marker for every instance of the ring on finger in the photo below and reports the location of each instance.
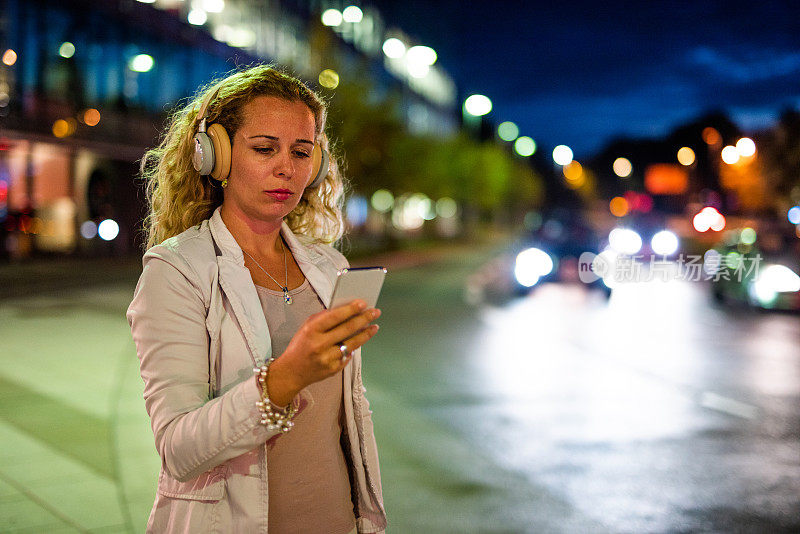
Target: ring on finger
(343, 350)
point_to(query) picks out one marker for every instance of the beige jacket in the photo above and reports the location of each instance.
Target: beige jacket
(199, 331)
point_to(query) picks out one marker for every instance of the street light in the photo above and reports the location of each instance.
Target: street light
(67, 50)
(507, 131)
(477, 105)
(352, 14)
(331, 17)
(394, 48)
(622, 167)
(562, 154)
(141, 63)
(685, 156)
(424, 55)
(525, 146)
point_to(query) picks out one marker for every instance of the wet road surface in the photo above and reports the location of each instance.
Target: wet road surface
(654, 411)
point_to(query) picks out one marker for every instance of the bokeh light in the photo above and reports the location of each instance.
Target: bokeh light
(446, 207)
(525, 146)
(66, 50)
(573, 171)
(478, 105)
(382, 200)
(708, 219)
(625, 240)
(774, 279)
(562, 154)
(711, 136)
(618, 207)
(64, 127)
(794, 214)
(665, 243)
(531, 264)
(622, 167)
(108, 229)
(747, 236)
(686, 156)
(60, 128)
(730, 155)
(422, 55)
(409, 211)
(91, 117)
(197, 17)
(352, 14)
(331, 17)
(141, 63)
(9, 57)
(356, 210)
(329, 78)
(88, 229)
(507, 131)
(745, 147)
(394, 48)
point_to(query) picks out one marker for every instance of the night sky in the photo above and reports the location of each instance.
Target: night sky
(583, 73)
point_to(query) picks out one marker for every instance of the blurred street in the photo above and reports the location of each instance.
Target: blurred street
(557, 412)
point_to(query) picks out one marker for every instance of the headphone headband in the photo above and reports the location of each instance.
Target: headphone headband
(203, 112)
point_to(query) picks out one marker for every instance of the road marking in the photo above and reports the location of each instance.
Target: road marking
(729, 406)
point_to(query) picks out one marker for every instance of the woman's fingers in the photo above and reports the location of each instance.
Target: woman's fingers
(354, 342)
(352, 325)
(335, 316)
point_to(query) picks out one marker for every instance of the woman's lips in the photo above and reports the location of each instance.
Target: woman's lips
(279, 195)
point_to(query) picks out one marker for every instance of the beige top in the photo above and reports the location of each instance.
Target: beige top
(309, 483)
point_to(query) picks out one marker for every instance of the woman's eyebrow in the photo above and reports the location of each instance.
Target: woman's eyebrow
(272, 137)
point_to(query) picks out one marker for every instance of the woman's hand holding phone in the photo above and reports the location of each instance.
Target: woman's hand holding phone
(313, 353)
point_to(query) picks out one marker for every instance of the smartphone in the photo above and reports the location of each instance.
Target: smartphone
(358, 283)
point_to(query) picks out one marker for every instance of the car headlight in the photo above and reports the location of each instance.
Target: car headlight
(774, 279)
(532, 264)
(625, 240)
(665, 243)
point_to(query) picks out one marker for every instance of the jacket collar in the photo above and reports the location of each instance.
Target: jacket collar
(230, 247)
(238, 285)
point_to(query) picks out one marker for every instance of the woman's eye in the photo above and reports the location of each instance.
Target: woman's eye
(302, 154)
(263, 150)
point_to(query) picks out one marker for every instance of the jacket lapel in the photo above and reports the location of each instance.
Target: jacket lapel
(311, 263)
(237, 283)
(238, 286)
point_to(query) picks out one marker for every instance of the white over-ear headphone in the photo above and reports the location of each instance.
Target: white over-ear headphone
(212, 149)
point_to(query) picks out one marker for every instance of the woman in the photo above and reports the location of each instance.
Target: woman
(238, 276)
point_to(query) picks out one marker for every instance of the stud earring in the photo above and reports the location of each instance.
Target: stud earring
(224, 183)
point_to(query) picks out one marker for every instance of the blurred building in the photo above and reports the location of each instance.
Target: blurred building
(85, 87)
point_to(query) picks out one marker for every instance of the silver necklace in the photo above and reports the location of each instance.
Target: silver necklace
(285, 287)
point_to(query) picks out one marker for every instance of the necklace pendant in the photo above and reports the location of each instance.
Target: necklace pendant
(286, 295)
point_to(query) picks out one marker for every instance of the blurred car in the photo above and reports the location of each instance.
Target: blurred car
(743, 272)
(550, 253)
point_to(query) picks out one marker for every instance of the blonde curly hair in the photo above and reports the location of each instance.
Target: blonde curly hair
(179, 197)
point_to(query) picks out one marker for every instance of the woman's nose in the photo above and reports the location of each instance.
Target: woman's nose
(283, 165)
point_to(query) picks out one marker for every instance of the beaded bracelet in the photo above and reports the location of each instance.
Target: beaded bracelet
(271, 417)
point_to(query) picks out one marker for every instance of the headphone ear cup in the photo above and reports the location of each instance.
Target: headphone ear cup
(203, 157)
(222, 151)
(320, 166)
